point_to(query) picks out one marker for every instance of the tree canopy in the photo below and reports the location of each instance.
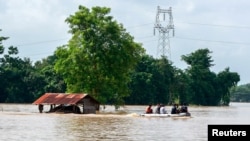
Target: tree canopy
(103, 60)
(208, 88)
(240, 93)
(99, 57)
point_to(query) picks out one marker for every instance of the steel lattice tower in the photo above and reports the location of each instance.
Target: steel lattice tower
(164, 30)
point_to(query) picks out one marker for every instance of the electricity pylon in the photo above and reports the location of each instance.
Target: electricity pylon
(164, 30)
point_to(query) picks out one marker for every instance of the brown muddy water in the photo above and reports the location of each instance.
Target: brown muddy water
(23, 122)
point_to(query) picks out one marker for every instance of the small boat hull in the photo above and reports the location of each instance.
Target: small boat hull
(167, 115)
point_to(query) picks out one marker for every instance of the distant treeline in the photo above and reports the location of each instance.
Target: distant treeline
(241, 93)
(103, 60)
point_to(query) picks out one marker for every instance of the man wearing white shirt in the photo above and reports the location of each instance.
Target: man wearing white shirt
(163, 110)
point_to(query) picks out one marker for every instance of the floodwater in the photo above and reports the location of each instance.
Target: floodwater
(23, 122)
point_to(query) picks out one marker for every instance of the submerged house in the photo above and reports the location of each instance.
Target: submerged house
(68, 103)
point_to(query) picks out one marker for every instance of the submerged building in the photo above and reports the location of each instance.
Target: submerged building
(68, 103)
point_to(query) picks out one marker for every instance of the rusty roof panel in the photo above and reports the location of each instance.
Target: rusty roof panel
(59, 98)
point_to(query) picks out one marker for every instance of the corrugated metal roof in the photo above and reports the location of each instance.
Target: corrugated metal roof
(60, 98)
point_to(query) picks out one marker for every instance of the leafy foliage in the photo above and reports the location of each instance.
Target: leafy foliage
(99, 57)
(240, 93)
(207, 87)
(21, 82)
(103, 60)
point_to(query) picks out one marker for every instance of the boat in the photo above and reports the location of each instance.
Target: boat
(166, 115)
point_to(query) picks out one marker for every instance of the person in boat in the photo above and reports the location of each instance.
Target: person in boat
(184, 108)
(163, 109)
(157, 108)
(178, 108)
(149, 109)
(174, 109)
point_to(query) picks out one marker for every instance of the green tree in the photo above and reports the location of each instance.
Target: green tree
(207, 88)
(164, 81)
(17, 75)
(227, 80)
(181, 90)
(3, 81)
(152, 81)
(19, 81)
(53, 82)
(99, 57)
(143, 89)
(240, 93)
(201, 77)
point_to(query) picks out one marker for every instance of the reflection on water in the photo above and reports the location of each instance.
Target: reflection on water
(24, 122)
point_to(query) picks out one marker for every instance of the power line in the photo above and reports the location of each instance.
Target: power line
(202, 24)
(135, 26)
(204, 40)
(41, 42)
(146, 24)
(182, 38)
(217, 41)
(217, 25)
(229, 26)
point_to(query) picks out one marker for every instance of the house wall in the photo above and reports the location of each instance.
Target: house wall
(90, 106)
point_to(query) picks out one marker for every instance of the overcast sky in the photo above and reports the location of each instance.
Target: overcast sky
(37, 28)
